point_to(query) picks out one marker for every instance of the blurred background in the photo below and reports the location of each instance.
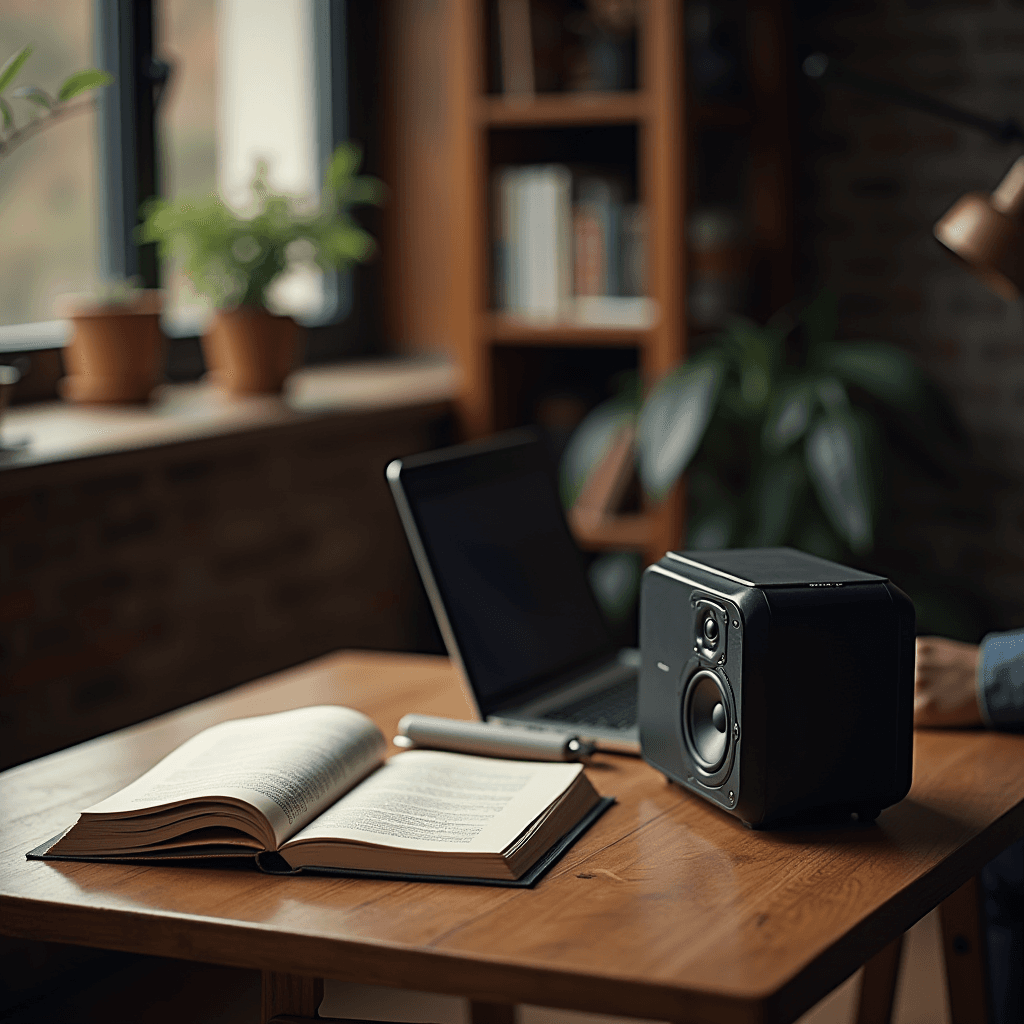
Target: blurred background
(580, 195)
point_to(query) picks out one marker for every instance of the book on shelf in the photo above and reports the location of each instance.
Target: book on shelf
(550, 46)
(309, 791)
(562, 243)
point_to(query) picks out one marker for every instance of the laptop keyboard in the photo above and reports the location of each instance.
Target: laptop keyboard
(614, 708)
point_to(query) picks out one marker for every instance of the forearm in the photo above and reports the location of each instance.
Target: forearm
(1001, 680)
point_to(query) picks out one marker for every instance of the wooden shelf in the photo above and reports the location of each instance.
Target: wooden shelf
(563, 109)
(507, 328)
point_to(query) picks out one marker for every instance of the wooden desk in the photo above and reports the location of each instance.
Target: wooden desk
(666, 909)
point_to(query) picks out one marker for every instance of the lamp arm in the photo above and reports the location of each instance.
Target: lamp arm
(824, 68)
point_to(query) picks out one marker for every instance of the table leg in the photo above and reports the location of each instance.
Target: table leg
(878, 985)
(491, 1013)
(963, 945)
(290, 994)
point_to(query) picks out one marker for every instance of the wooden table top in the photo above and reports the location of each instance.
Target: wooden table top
(667, 908)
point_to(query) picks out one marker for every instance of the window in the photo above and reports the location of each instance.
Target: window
(49, 186)
(202, 88)
(246, 84)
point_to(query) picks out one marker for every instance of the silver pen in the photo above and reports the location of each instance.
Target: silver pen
(490, 740)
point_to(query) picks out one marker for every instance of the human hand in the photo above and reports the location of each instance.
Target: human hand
(945, 683)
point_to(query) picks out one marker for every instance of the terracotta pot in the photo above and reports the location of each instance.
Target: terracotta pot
(115, 352)
(250, 351)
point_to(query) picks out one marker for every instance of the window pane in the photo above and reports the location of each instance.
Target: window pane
(243, 89)
(186, 36)
(49, 209)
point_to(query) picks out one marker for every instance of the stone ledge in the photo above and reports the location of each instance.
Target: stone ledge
(61, 433)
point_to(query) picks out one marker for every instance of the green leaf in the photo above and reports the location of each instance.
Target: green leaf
(8, 114)
(673, 422)
(615, 580)
(10, 70)
(235, 259)
(589, 444)
(83, 81)
(755, 385)
(831, 393)
(788, 418)
(345, 161)
(882, 370)
(35, 95)
(756, 352)
(820, 318)
(836, 454)
(890, 375)
(366, 191)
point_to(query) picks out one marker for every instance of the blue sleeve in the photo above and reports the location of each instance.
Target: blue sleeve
(1001, 680)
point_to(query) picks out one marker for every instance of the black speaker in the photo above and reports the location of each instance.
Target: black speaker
(777, 685)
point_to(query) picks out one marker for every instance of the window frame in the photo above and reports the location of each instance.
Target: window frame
(128, 152)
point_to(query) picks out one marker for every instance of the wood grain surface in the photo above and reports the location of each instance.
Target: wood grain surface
(667, 908)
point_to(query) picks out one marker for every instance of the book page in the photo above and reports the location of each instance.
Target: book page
(289, 766)
(432, 800)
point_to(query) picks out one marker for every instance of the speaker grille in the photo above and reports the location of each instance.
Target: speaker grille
(706, 721)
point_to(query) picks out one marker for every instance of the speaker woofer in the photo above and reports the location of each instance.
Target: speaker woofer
(706, 722)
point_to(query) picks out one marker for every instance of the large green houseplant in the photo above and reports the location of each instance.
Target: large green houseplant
(234, 257)
(787, 436)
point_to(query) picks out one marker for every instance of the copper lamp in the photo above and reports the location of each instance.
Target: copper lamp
(987, 233)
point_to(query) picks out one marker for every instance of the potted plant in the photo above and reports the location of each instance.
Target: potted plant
(787, 436)
(233, 258)
(115, 349)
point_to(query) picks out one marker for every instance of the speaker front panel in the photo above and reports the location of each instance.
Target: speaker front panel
(690, 704)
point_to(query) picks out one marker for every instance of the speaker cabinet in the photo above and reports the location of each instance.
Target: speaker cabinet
(777, 685)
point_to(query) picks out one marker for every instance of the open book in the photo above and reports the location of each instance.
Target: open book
(312, 786)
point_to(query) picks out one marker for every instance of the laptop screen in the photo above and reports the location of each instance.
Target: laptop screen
(504, 563)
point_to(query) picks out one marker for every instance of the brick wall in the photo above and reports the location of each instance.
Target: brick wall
(875, 179)
(134, 583)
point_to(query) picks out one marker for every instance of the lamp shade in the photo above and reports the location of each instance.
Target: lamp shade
(987, 232)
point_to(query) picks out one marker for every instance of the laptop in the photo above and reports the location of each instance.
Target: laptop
(510, 593)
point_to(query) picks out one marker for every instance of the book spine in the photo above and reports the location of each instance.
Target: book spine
(614, 244)
(544, 243)
(588, 251)
(525, 240)
(514, 201)
(499, 245)
(547, 259)
(634, 250)
(563, 215)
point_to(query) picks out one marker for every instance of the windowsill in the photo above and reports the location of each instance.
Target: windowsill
(47, 334)
(56, 432)
(34, 337)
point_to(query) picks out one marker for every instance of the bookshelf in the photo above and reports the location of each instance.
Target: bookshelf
(653, 134)
(656, 111)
